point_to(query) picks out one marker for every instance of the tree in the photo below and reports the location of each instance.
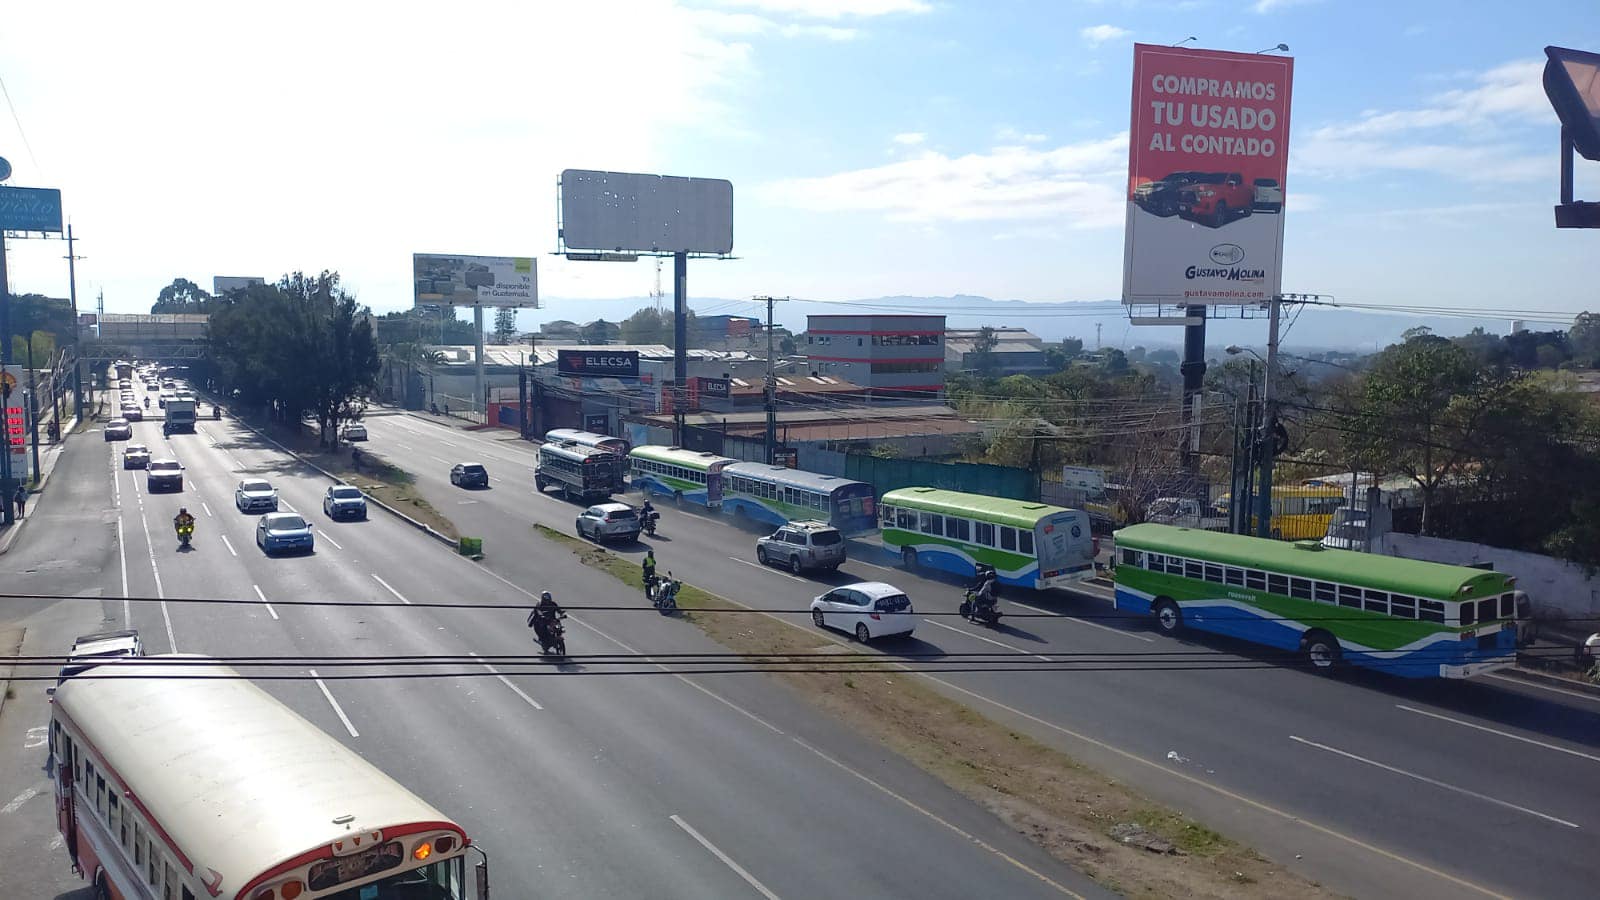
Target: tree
(505, 325)
(983, 358)
(1584, 339)
(1061, 356)
(652, 326)
(1115, 362)
(596, 332)
(181, 296)
(787, 346)
(302, 347)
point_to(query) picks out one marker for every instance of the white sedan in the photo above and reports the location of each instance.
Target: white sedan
(867, 609)
(255, 494)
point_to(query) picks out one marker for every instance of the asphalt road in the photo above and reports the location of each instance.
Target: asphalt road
(1372, 785)
(579, 785)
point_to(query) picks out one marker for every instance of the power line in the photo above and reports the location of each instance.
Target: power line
(20, 132)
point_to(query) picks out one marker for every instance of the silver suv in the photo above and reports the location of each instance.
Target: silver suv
(801, 546)
(609, 521)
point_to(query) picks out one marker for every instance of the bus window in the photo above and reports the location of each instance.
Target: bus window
(1025, 541)
(1325, 593)
(170, 885)
(930, 523)
(154, 869)
(1300, 587)
(1377, 601)
(1255, 581)
(1277, 584)
(138, 847)
(1403, 606)
(1349, 596)
(1233, 576)
(906, 519)
(1174, 565)
(1129, 558)
(1468, 612)
(960, 529)
(1155, 562)
(1008, 538)
(1213, 573)
(983, 533)
(887, 516)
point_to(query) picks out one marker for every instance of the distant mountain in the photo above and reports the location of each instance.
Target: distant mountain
(1305, 328)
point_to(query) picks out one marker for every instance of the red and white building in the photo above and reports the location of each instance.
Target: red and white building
(883, 353)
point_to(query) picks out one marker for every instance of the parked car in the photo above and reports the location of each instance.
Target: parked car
(1269, 195)
(163, 475)
(469, 475)
(1217, 200)
(283, 531)
(135, 456)
(355, 431)
(866, 609)
(1160, 198)
(801, 546)
(254, 494)
(609, 521)
(341, 501)
(118, 430)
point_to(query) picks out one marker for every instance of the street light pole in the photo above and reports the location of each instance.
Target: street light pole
(772, 385)
(1269, 422)
(77, 331)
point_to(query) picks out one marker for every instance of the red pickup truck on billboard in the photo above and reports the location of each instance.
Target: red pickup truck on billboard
(1217, 200)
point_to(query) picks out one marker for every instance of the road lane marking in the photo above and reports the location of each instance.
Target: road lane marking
(135, 479)
(1504, 734)
(17, 802)
(1433, 781)
(974, 839)
(265, 603)
(441, 459)
(1554, 690)
(726, 859)
(161, 593)
(335, 704)
(405, 447)
(876, 566)
(398, 596)
(503, 680)
(229, 544)
(206, 508)
(963, 631)
(122, 559)
(1235, 796)
(1128, 634)
(754, 565)
(332, 541)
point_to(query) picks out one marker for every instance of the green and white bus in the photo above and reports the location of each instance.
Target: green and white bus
(678, 473)
(1402, 616)
(1029, 544)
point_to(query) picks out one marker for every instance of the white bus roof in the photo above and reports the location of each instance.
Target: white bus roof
(240, 782)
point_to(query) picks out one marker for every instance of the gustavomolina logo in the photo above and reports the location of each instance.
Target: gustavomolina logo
(1227, 254)
(1231, 273)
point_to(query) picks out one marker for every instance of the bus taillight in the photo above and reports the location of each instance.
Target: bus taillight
(292, 890)
(444, 844)
(422, 851)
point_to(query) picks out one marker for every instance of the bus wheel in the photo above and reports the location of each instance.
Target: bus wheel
(1168, 617)
(1321, 650)
(908, 556)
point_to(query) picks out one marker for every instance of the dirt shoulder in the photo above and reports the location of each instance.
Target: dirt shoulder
(1096, 824)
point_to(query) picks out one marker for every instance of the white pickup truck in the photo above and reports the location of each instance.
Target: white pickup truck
(1187, 512)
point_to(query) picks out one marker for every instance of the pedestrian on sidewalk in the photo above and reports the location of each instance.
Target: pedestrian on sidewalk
(20, 498)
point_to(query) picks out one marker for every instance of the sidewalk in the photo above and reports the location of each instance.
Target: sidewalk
(48, 456)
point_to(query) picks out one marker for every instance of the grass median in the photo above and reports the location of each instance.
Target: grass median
(1094, 823)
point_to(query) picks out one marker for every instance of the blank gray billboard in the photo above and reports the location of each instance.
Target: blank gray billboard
(633, 213)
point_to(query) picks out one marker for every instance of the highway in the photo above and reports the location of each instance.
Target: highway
(585, 786)
(1371, 785)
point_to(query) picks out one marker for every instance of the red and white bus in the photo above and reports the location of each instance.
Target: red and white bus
(171, 786)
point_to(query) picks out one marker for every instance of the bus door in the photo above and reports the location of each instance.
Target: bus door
(1065, 548)
(713, 489)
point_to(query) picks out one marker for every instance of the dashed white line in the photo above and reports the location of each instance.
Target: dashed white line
(335, 704)
(206, 508)
(229, 544)
(122, 558)
(161, 593)
(1127, 634)
(1433, 781)
(1554, 690)
(405, 447)
(398, 596)
(17, 802)
(746, 562)
(726, 859)
(441, 459)
(503, 680)
(266, 604)
(963, 631)
(1505, 734)
(333, 542)
(876, 566)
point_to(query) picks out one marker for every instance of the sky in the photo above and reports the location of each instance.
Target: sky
(876, 147)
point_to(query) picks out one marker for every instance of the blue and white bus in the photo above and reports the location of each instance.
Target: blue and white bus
(678, 473)
(779, 495)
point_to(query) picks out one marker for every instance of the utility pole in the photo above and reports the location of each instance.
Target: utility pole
(1193, 370)
(7, 488)
(536, 417)
(772, 385)
(680, 338)
(33, 407)
(77, 332)
(1269, 421)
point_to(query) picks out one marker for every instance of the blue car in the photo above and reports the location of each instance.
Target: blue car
(276, 532)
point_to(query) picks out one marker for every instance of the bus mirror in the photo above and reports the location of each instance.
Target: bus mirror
(481, 871)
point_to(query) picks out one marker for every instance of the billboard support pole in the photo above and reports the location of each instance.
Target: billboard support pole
(1194, 376)
(33, 406)
(1269, 419)
(477, 334)
(77, 330)
(680, 335)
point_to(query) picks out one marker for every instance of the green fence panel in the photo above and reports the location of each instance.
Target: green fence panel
(973, 478)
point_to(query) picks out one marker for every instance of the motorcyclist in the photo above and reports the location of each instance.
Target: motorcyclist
(542, 615)
(147, 401)
(184, 520)
(983, 600)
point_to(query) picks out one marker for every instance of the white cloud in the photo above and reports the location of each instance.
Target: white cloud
(909, 138)
(831, 9)
(1009, 135)
(751, 25)
(1264, 7)
(1095, 35)
(1079, 184)
(1509, 91)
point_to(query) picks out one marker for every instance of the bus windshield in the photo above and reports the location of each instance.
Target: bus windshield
(444, 880)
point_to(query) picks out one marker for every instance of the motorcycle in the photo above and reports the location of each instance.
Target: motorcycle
(147, 403)
(980, 613)
(651, 583)
(554, 640)
(649, 521)
(665, 597)
(185, 535)
(216, 412)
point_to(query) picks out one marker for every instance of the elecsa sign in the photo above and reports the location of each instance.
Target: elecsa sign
(598, 363)
(716, 388)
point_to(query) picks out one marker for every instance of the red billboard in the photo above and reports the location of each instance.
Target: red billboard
(1208, 152)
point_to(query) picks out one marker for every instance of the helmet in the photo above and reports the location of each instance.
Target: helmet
(183, 510)
(546, 596)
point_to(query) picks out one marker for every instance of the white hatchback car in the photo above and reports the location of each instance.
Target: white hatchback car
(867, 609)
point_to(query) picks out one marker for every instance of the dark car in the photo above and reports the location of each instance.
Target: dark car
(1160, 198)
(469, 475)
